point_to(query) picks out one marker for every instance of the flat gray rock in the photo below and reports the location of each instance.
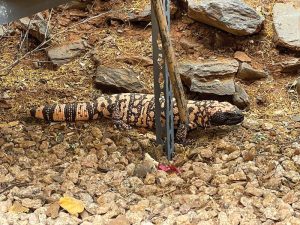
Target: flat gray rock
(210, 77)
(76, 5)
(291, 66)
(118, 80)
(247, 72)
(3, 30)
(298, 86)
(136, 60)
(63, 54)
(217, 87)
(37, 28)
(240, 98)
(142, 16)
(286, 22)
(295, 118)
(233, 16)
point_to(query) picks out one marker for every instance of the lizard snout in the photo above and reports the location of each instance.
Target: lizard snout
(227, 118)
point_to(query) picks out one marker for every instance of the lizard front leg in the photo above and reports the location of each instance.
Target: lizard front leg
(117, 119)
(181, 134)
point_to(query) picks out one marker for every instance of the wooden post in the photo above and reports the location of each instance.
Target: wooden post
(171, 61)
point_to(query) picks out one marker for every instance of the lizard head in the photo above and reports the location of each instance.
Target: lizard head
(224, 113)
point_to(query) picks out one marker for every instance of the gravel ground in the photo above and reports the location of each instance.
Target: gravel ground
(253, 182)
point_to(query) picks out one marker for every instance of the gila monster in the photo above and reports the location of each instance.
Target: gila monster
(138, 110)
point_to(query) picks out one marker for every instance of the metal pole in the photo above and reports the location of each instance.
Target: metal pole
(164, 132)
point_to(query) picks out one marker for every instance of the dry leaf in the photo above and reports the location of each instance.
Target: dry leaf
(18, 208)
(52, 210)
(72, 205)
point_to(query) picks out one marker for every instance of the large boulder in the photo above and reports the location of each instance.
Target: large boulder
(286, 22)
(117, 80)
(210, 77)
(233, 16)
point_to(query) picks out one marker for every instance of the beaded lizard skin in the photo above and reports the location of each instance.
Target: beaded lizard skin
(138, 110)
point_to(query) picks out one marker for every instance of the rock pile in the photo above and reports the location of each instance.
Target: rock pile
(214, 77)
(217, 77)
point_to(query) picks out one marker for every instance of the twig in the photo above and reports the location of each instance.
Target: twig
(39, 61)
(9, 67)
(48, 23)
(167, 192)
(26, 35)
(14, 185)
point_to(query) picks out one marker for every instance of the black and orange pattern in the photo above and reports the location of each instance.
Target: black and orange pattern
(138, 110)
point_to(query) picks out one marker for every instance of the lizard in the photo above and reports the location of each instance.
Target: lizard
(134, 109)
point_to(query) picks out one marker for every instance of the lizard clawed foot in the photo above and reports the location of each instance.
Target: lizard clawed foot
(185, 142)
(120, 125)
(181, 135)
(117, 120)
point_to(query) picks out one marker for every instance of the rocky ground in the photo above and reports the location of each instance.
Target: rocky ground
(244, 174)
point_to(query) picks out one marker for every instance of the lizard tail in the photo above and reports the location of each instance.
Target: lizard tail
(66, 112)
